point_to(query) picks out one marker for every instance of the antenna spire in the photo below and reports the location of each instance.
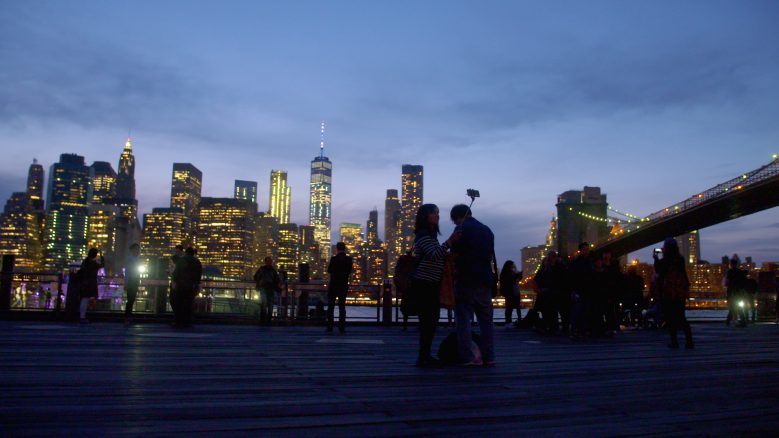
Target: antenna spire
(322, 140)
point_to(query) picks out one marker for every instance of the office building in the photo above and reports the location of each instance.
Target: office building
(352, 237)
(266, 229)
(35, 186)
(103, 183)
(20, 232)
(690, 247)
(412, 199)
(320, 198)
(280, 196)
(581, 217)
(65, 233)
(163, 229)
(125, 179)
(225, 238)
(185, 189)
(288, 250)
(102, 233)
(310, 252)
(392, 225)
(246, 190)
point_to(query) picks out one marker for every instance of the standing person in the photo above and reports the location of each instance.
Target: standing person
(510, 290)
(186, 281)
(735, 280)
(674, 291)
(404, 269)
(633, 294)
(132, 280)
(551, 280)
(614, 284)
(426, 281)
(474, 278)
(580, 276)
(87, 276)
(340, 268)
(178, 254)
(268, 282)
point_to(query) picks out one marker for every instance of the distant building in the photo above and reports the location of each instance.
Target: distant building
(351, 236)
(185, 188)
(65, 233)
(125, 179)
(690, 247)
(102, 233)
(280, 196)
(288, 249)
(225, 238)
(246, 190)
(102, 187)
(163, 229)
(705, 280)
(412, 199)
(35, 177)
(320, 198)
(266, 230)
(20, 232)
(581, 217)
(310, 252)
(392, 225)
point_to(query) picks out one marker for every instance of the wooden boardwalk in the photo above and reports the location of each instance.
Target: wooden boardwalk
(108, 380)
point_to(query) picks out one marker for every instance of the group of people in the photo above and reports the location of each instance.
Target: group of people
(471, 279)
(741, 291)
(590, 296)
(185, 274)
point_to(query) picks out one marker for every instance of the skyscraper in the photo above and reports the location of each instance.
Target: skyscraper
(163, 229)
(20, 232)
(35, 186)
(289, 249)
(351, 236)
(65, 235)
(125, 180)
(375, 253)
(310, 252)
(372, 228)
(280, 194)
(266, 228)
(320, 197)
(103, 183)
(582, 217)
(246, 190)
(392, 223)
(102, 233)
(690, 247)
(185, 188)
(412, 185)
(225, 238)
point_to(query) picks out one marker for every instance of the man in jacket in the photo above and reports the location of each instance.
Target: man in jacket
(474, 280)
(268, 283)
(340, 268)
(186, 281)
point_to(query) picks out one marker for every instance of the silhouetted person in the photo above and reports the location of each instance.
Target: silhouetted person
(735, 282)
(674, 291)
(474, 278)
(268, 282)
(580, 274)
(550, 279)
(132, 280)
(613, 288)
(87, 278)
(401, 279)
(509, 276)
(340, 268)
(186, 280)
(595, 300)
(426, 281)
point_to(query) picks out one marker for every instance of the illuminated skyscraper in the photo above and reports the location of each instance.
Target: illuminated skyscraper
(163, 229)
(288, 250)
(225, 238)
(392, 224)
(246, 190)
(125, 180)
(103, 183)
(310, 252)
(102, 232)
(185, 188)
(65, 234)
(372, 228)
(690, 247)
(266, 236)
(280, 194)
(20, 232)
(581, 217)
(351, 236)
(35, 186)
(375, 253)
(412, 184)
(320, 200)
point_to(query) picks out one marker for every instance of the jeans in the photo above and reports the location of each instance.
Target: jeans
(470, 301)
(340, 295)
(266, 305)
(429, 300)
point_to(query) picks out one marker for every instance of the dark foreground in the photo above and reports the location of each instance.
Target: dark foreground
(106, 380)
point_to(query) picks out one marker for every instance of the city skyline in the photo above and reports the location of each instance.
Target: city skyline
(652, 106)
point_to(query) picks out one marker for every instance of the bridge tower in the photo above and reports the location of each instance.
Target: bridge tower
(581, 217)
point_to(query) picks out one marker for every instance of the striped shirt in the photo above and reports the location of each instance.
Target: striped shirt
(431, 256)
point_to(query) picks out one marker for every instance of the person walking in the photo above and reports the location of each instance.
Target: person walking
(186, 281)
(132, 280)
(674, 291)
(340, 268)
(268, 283)
(510, 290)
(426, 280)
(87, 278)
(474, 279)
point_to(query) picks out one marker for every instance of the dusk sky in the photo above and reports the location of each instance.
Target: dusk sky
(651, 101)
